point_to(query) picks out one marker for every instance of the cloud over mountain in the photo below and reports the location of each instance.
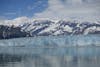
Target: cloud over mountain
(70, 8)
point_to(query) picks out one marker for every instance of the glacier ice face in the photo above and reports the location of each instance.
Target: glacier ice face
(53, 41)
(52, 45)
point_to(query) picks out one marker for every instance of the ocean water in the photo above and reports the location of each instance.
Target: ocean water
(51, 51)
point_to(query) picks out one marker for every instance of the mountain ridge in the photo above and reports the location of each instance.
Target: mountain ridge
(48, 27)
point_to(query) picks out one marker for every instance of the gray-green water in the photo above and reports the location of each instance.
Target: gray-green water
(52, 57)
(62, 51)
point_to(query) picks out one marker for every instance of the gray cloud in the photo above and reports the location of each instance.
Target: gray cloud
(61, 9)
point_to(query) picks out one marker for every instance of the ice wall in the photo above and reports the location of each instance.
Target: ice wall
(53, 41)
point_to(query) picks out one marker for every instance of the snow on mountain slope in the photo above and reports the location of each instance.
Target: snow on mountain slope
(48, 27)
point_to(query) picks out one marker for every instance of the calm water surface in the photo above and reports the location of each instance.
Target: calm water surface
(50, 57)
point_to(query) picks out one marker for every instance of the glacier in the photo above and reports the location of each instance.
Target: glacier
(51, 45)
(51, 51)
(45, 36)
(53, 41)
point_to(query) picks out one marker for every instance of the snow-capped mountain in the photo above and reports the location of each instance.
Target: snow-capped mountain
(48, 27)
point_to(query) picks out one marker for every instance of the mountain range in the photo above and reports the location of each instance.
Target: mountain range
(48, 27)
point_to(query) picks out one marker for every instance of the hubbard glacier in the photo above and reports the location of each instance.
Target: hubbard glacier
(47, 36)
(55, 37)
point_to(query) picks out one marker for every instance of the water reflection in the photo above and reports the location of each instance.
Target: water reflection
(51, 57)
